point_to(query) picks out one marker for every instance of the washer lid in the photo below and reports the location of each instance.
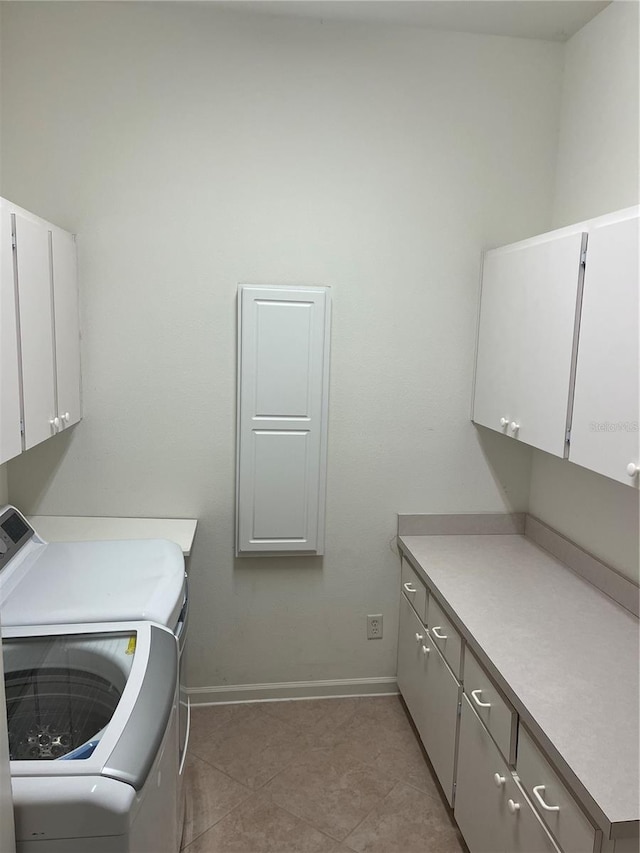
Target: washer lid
(58, 677)
(72, 582)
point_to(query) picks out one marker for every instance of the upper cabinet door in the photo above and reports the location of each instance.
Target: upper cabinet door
(526, 339)
(604, 429)
(10, 438)
(66, 326)
(282, 420)
(36, 329)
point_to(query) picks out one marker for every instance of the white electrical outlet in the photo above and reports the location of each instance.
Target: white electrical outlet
(374, 627)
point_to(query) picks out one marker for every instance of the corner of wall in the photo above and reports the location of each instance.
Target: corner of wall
(4, 485)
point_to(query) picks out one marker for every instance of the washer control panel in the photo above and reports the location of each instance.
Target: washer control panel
(14, 533)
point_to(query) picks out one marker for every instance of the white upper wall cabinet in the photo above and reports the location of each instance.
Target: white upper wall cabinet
(283, 375)
(526, 339)
(40, 340)
(10, 438)
(66, 326)
(604, 429)
(36, 329)
(557, 363)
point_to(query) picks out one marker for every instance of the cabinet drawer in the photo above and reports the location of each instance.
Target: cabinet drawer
(415, 590)
(492, 708)
(564, 817)
(445, 636)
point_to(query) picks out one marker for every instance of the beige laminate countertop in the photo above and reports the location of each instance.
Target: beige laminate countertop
(66, 528)
(564, 653)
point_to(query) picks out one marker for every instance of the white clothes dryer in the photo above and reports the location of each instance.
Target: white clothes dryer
(92, 721)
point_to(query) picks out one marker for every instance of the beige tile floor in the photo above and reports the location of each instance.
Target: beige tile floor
(316, 776)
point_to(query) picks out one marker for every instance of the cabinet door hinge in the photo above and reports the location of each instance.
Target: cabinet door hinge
(567, 437)
(583, 258)
(21, 427)
(459, 708)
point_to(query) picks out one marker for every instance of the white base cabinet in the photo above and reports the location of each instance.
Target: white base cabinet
(431, 693)
(505, 794)
(412, 638)
(439, 726)
(491, 809)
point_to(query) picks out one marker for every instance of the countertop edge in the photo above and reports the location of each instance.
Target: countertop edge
(66, 528)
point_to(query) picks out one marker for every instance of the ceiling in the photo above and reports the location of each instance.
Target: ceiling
(555, 20)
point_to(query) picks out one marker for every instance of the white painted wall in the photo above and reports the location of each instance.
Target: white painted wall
(597, 172)
(4, 491)
(193, 149)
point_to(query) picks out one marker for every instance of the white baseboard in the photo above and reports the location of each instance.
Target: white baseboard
(292, 690)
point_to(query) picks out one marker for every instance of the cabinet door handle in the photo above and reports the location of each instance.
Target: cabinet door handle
(504, 422)
(514, 426)
(435, 630)
(66, 417)
(632, 469)
(538, 796)
(425, 650)
(474, 696)
(419, 638)
(409, 587)
(513, 807)
(499, 780)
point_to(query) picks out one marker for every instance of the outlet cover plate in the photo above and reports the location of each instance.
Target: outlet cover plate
(374, 626)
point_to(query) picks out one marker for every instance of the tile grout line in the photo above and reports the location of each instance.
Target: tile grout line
(250, 793)
(299, 733)
(373, 809)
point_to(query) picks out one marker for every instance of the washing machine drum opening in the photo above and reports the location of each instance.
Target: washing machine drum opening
(57, 712)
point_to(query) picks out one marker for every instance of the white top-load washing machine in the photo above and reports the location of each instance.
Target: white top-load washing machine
(48, 589)
(92, 721)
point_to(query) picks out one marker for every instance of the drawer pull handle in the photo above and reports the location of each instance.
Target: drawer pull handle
(513, 807)
(434, 631)
(474, 696)
(538, 796)
(409, 587)
(419, 638)
(425, 650)
(499, 780)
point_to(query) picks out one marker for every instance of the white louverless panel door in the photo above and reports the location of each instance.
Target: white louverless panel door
(438, 729)
(604, 429)
(412, 680)
(36, 329)
(480, 806)
(484, 788)
(282, 420)
(526, 339)
(66, 325)
(10, 437)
